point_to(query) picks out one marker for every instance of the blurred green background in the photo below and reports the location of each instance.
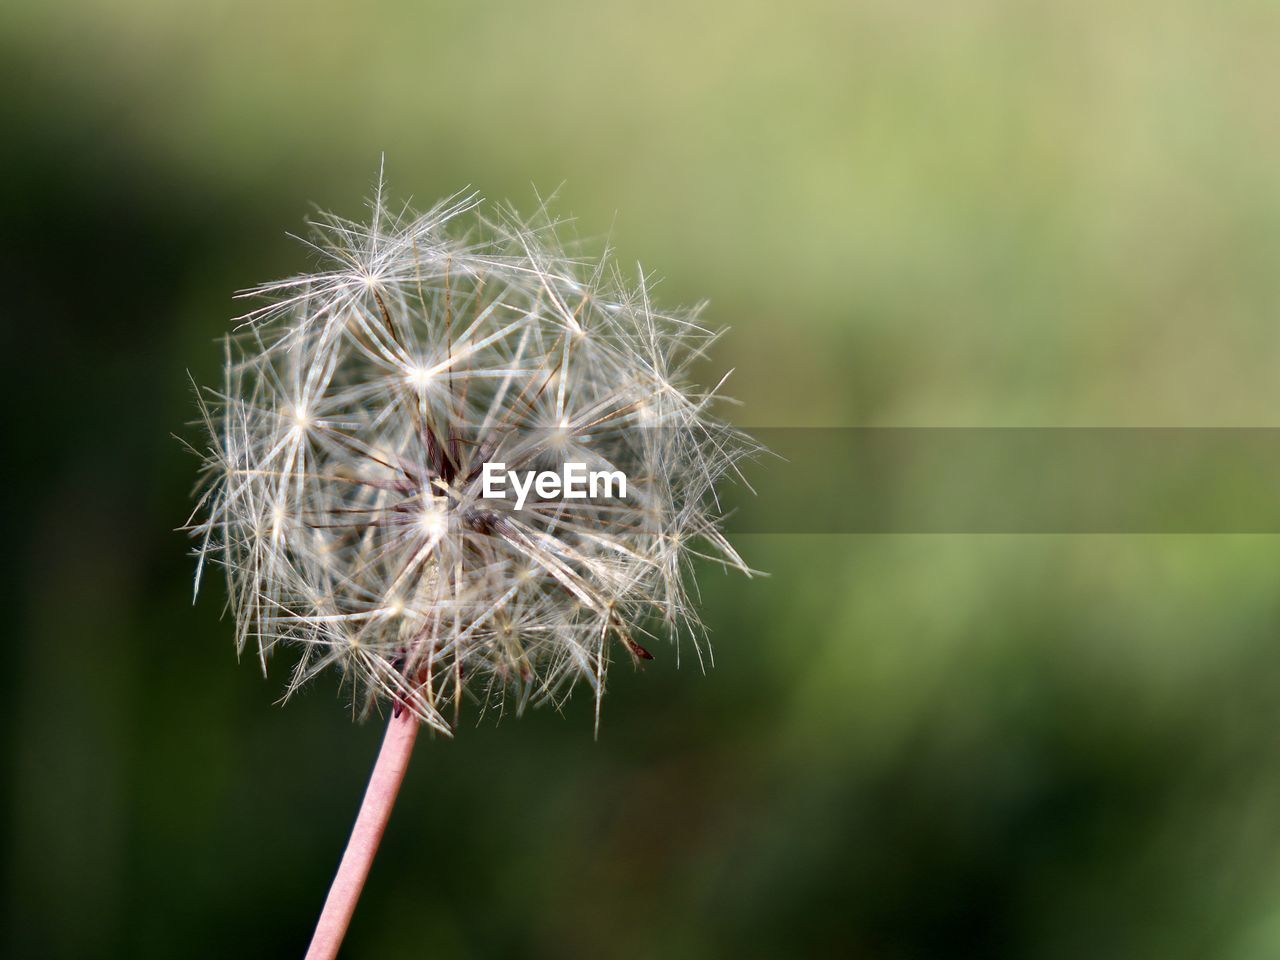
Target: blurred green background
(982, 213)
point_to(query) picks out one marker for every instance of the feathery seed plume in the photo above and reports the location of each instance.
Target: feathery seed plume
(344, 485)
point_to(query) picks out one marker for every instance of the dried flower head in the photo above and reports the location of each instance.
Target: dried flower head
(344, 482)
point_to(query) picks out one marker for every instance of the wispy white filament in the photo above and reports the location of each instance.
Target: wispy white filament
(343, 488)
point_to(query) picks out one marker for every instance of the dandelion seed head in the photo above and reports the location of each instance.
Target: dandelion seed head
(342, 487)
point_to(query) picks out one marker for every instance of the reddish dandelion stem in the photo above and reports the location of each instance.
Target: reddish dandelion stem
(371, 822)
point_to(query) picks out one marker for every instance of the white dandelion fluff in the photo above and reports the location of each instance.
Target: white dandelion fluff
(364, 408)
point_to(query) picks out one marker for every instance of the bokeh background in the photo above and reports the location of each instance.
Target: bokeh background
(986, 213)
